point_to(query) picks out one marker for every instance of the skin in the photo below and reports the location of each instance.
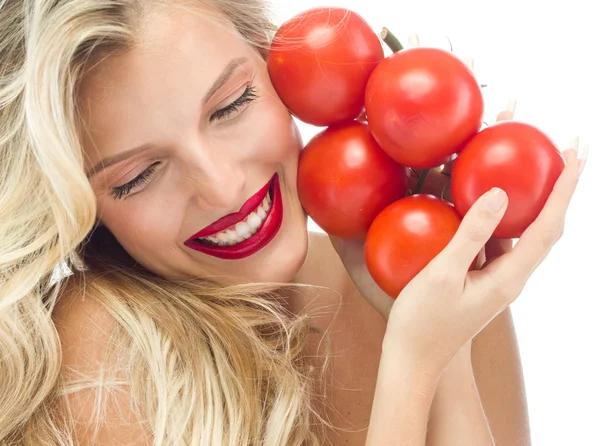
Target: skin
(206, 169)
(153, 94)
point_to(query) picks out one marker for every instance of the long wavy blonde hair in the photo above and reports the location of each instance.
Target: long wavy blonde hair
(204, 364)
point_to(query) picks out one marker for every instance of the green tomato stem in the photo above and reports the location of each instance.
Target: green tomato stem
(391, 40)
(442, 195)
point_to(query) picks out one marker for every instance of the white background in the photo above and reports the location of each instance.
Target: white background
(547, 57)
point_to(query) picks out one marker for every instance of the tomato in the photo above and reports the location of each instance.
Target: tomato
(423, 105)
(345, 179)
(515, 157)
(405, 237)
(319, 63)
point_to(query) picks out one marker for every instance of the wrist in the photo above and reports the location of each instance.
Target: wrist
(402, 401)
(423, 375)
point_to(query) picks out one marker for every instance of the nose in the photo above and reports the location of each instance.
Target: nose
(217, 181)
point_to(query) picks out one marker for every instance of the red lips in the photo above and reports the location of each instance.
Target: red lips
(229, 220)
(265, 233)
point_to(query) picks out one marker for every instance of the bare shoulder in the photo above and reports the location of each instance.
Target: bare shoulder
(84, 327)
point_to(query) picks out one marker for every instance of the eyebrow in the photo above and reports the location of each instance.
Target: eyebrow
(217, 85)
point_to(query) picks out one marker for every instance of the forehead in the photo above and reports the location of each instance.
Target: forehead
(179, 54)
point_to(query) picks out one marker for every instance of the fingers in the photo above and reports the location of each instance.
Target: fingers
(475, 230)
(479, 224)
(509, 113)
(538, 239)
(582, 159)
(413, 40)
(470, 61)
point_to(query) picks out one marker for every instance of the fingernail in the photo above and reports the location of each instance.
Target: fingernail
(470, 61)
(512, 106)
(509, 113)
(574, 144)
(583, 159)
(413, 39)
(495, 199)
(504, 115)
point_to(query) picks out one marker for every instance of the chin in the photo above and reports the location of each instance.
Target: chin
(287, 259)
(281, 260)
(282, 257)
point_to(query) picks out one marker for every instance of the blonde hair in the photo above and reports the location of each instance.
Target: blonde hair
(204, 364)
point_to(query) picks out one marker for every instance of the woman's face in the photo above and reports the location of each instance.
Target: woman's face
(192, 133)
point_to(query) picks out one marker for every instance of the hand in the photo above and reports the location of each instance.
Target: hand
(351, 252)
(446, 305)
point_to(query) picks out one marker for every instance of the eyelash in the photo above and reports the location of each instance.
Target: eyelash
(119, 192)
(248, 96)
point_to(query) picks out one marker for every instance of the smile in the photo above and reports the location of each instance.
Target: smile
(245, 232)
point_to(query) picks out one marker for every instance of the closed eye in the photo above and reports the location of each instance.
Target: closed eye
(250, 94)
(118, 192)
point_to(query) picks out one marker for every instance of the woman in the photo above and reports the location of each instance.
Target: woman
(126, 129)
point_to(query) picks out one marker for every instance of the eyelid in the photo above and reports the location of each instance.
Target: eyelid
(244, 100)
(131, 187)
(244, 76)
(131, 175)
(231, 97)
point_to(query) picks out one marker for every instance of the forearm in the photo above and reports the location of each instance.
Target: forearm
(499, 377)
(403, 397)
(457, 417)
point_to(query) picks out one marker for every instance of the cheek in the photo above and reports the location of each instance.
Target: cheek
(277, 131)
(271, 131)
(141, 227)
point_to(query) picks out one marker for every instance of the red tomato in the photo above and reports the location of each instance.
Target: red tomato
(405, 237)
(345, 180)
(516, 157)
(422, 105)
(320, 62)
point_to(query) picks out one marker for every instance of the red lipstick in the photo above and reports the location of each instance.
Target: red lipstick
(265, 233)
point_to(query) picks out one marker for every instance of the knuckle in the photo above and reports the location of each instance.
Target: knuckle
(442, 275)
(500, 291)
(476, 233)
(553, 233)
(503, 292)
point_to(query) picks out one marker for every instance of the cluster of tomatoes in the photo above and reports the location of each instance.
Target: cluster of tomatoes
(418, 108)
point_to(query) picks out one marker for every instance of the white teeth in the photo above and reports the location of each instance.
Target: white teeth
(254, 221)
(244, 229)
